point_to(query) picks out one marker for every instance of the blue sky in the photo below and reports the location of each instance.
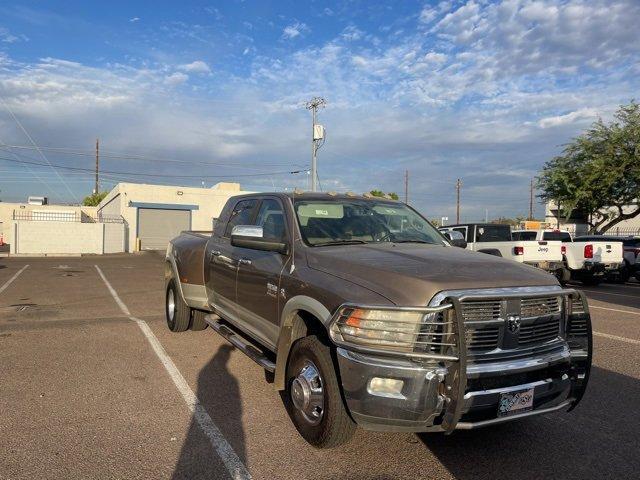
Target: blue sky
(478, 90)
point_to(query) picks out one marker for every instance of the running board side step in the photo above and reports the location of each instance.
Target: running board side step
(241, 343)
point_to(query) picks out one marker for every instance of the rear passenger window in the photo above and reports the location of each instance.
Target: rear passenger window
(242, 214)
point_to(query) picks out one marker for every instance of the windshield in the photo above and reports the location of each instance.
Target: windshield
(340, 221)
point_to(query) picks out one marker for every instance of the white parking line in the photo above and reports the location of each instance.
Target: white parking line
(232, 462)
(607, 293)
(10, 281)
(615, 337)
(614, 310)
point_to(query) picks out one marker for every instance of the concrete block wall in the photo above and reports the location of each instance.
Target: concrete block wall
(65, 238)
(114, 238)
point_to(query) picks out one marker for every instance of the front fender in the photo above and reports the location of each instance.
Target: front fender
(288, 335)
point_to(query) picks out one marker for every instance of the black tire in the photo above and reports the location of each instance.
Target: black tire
(637, 275)
(335, 426)
(178, 317)
(623, 275)
(563, 275)
(197, 321)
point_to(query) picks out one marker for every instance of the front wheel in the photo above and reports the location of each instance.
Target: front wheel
(313, 398)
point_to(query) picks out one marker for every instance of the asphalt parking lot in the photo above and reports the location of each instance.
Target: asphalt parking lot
(87, 392)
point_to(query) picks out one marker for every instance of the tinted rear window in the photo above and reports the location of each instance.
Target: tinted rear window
(493, 233)
(523, 236)
(555, 236)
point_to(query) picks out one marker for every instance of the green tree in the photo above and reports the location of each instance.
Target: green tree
(598, 173)
(94, 199)
(380, 193)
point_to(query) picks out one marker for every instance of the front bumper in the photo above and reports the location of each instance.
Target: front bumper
(440, 396)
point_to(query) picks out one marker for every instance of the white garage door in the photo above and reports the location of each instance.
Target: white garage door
(157, 226)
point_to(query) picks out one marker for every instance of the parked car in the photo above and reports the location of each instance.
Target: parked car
(631, 252)
(588, 261)
(364, 314)
(495, 239)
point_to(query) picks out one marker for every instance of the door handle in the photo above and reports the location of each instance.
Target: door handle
(214, 254)
(244, 261)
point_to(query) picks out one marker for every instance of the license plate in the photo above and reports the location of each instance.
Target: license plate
(513, 403)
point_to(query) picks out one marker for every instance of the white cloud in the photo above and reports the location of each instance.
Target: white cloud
(7, 37)
(568, 118)
(488, 89)
(134, 19)
(197, 66)
(294, 30)
(352, 33)
(176, 78)
(328, 12)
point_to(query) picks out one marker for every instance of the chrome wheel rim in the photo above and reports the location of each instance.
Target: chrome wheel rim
(171, 304)
(307, 393)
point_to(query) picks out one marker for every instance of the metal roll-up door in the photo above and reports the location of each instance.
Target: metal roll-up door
(157, 226)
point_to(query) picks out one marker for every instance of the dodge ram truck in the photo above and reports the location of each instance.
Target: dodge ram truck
(363, 314)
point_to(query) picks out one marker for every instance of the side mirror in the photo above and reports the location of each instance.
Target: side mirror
(251, 236)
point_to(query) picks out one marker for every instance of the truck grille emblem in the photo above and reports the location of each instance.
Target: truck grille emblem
(513, 323)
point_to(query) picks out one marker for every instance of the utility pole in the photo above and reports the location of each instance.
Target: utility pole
(458, 185)
(96, 188)
(317, 137)
(531, 200)
(406, 186)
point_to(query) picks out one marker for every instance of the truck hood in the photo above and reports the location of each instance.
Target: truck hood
(411, 274)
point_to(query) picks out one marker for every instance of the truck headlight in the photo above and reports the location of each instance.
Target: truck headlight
(396, 330)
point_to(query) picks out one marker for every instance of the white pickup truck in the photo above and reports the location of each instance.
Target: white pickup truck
(495, 239)
(586, 261)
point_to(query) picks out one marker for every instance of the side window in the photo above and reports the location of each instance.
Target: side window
(271, 218)
(241, 215)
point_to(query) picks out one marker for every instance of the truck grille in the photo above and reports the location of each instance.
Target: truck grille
(485, 323)
(539, 332)
(481, 311)
(536, 307)
(483, 339)
(577, 327)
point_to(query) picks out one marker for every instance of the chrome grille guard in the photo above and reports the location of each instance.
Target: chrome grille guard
(454, 349)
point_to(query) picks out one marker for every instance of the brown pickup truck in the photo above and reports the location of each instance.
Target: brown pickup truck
(364, 314)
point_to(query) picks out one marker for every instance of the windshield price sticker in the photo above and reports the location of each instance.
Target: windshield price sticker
(513, 403)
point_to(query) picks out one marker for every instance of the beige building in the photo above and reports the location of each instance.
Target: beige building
(154, 214)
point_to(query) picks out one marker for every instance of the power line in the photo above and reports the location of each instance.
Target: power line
(152, 174)
(39, 151)
(131, 156)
